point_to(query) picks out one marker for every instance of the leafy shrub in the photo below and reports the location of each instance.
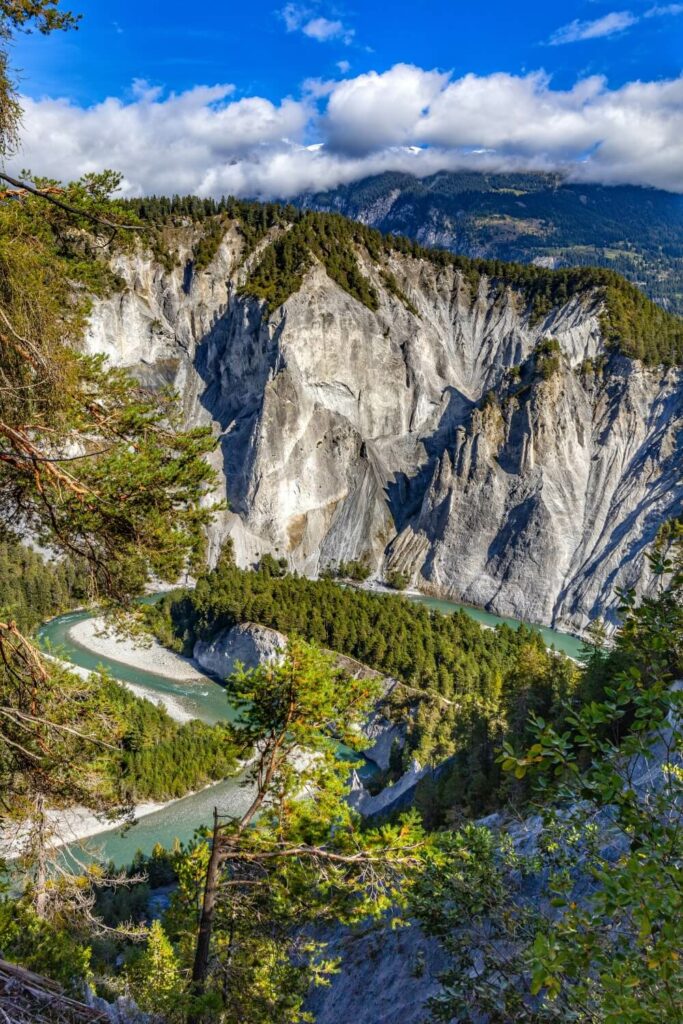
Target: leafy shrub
(398, 580)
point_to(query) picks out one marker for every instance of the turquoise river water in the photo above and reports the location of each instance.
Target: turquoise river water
(205, 700)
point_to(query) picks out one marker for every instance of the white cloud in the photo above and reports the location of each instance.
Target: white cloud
(209, 142)
(293, 16)
(323, 29)
(577, 31)
(373, 111)
(344, 66)
(299, 18)
(663, 11)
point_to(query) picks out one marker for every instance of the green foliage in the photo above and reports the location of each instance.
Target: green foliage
(595, 932)
(299, 856)
(128, 902)
(10, 110)
(547, 357)
(43, 16)
(162, 759)
(353, 570)
(126, 750)
(528, 217)
(272, 566)
(206, 248)
(632, 323)
(42, 946)
(161, 214)
(464, 688)
(138, 471)
(330, 239)
(154, 977)
(394, 288)
(620, 951)
(255, 220)
(304, 699)
(33, 589)
(459, 900)
(73, 250)
(638, 327)
(398, 580)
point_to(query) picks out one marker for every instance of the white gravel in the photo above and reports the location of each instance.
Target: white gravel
(68, 826)
(96, 636)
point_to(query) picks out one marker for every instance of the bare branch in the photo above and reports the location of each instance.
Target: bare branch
(44, 194)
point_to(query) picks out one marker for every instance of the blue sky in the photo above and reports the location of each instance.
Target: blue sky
(309, 93)
(248, 44)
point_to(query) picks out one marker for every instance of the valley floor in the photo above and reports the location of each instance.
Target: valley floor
(78, 823)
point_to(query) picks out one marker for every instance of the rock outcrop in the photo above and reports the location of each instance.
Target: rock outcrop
(393, 797)
(250, 645)
(352, 434)
(388, 976)
(247, 644)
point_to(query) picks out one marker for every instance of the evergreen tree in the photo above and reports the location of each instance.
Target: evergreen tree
(586, 924)
(154, 977)
(298, 853)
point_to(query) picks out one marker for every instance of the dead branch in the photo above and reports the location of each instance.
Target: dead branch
(28, 998)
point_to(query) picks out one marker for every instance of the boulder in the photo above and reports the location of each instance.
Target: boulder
(247, 644)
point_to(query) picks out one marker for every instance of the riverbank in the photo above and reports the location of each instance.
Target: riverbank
(158, 674)
(170, 704)
(75, 824)
(72, 825)
(97, 636)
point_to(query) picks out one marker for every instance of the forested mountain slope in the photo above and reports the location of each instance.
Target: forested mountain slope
(529, 217)
(477, 425)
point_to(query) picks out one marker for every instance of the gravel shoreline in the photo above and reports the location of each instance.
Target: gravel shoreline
(149, 655)
(71, 825)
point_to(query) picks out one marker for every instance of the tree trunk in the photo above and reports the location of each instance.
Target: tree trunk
(201, 959)
(213, 871)
(40, 901)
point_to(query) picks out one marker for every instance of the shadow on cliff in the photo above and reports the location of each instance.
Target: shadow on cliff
(235, 360)
(405, 492)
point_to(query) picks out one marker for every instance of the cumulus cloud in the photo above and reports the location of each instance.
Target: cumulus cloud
(411, 119)
(372, 111)
(577, 31)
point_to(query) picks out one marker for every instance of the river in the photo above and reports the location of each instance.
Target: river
(205, 700)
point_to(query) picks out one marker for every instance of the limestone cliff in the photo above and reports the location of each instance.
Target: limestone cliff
(349, 433)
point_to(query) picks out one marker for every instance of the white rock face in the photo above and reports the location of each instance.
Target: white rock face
(247, 644)
(383, 735)
(367, 805)
(346, 433)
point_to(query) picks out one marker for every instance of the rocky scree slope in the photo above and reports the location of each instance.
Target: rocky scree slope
(433, 427)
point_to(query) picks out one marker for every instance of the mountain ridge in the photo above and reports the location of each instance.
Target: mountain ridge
(529, 217)
(348, 432)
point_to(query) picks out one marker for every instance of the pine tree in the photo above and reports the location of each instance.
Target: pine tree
(154, 977)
